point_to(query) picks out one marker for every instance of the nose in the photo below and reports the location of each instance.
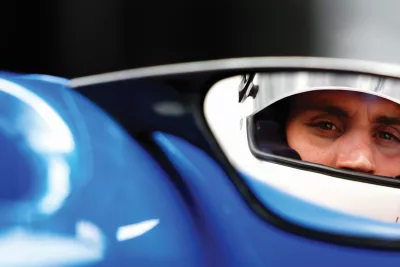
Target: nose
(356, 156)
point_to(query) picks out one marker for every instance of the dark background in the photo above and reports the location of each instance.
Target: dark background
(74, 38)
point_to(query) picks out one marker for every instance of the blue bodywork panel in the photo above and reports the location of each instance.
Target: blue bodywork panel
(245, 239)
(78, 190)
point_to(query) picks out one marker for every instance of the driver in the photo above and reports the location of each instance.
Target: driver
(346, 130)
(342, 129)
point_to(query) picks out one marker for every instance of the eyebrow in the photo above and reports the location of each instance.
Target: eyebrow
(341, 112)
(330, 109)
(387, 120)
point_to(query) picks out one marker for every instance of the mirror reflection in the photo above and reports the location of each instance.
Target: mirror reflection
(332, 138)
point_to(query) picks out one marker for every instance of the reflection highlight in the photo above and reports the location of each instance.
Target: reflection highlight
(58, 185)
(47, 138)
(21, 247)
(137, 229)
(60, 138)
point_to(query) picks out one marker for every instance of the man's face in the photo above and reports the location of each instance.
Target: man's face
(346, 130)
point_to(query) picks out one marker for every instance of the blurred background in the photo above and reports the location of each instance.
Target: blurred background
(73, 38)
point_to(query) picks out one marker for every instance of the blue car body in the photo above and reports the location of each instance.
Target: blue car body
(119, 205)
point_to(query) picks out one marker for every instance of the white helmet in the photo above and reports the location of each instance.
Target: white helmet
(261, 107)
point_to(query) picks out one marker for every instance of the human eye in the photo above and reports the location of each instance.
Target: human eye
(387, 136)
(326, 128)
(325, 125)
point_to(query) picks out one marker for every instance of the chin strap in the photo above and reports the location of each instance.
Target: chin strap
(270, 138)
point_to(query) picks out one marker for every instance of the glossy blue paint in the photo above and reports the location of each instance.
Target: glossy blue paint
(77, 190)
(37, 77)
(46, 78)
(6, 74)
(80, 191)
(243, 239)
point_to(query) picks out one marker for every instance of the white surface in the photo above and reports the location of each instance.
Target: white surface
(131, 231)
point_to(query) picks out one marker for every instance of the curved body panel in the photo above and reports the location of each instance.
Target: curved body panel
(245, 239)
(93, 194)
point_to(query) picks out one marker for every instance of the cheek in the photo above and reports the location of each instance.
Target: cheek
(308, 146)
(387, 166)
